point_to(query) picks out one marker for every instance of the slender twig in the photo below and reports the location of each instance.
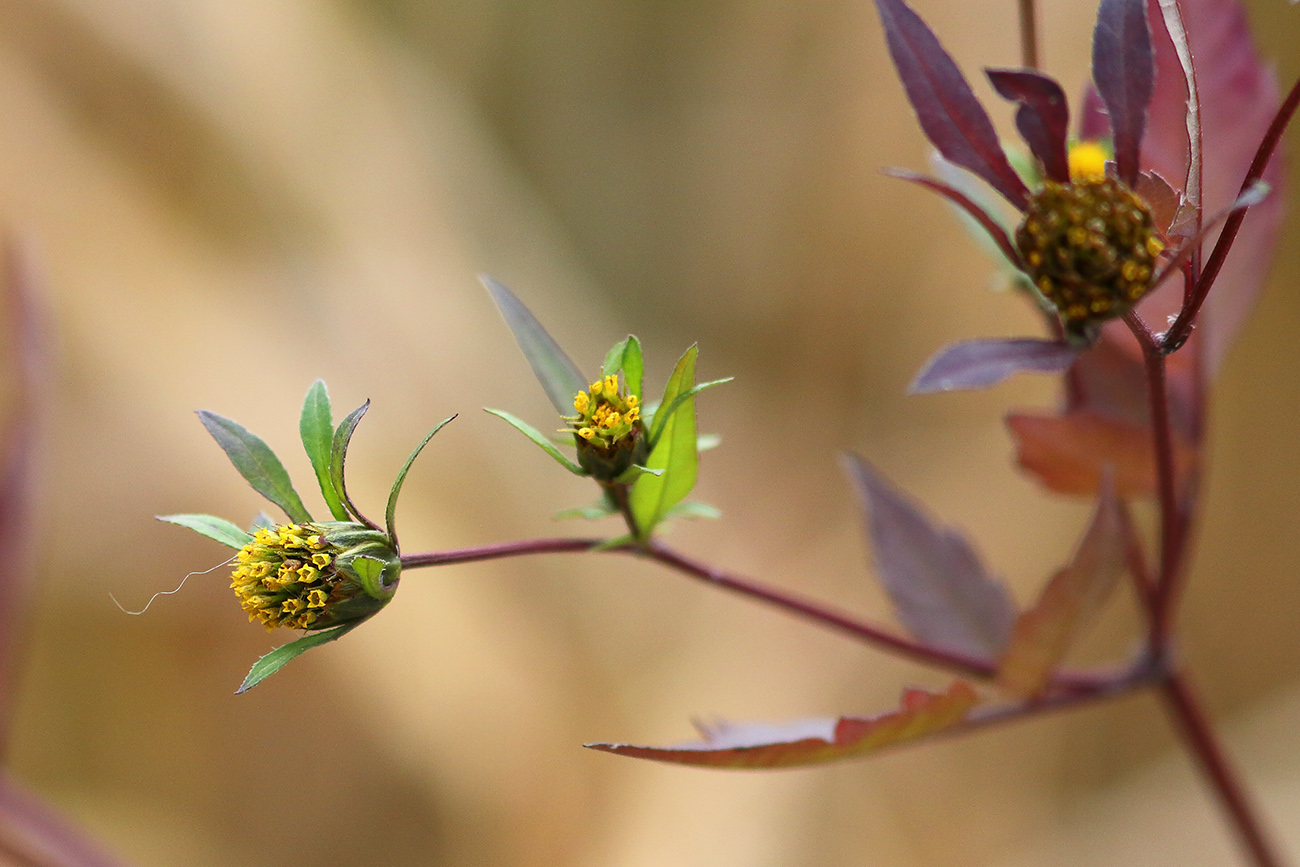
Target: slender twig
(1177, 334)
(1028, 35)
(1199, 737)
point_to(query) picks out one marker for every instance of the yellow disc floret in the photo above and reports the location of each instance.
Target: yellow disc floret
(1088, 161)
(607, 428)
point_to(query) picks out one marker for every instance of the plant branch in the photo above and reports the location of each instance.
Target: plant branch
(1200, 740)
(1028, 35)
(1178, 333)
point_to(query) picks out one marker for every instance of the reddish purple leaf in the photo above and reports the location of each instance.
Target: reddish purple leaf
(961, 200)
(932, 575)
(32, 833)
(1046, 631)
(950, 115)
(1043, 117)
(806, 742)
(981, 363)
(1123, 66)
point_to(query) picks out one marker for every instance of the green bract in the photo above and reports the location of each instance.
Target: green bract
(326, 577)
(645, 457)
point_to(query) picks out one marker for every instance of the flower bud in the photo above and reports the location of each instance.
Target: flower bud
(313, 576)
(607, 429)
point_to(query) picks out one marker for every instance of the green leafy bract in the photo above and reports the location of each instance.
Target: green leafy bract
(536, 436)
(214, 528)
(278, 658)
(338, 456)
(560, 377)
(626, 356)
(673, 451)
(316, 427)
(256, 463)
(401, 477)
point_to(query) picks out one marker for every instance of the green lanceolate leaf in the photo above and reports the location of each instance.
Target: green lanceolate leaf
(662, 418)
(214, 528)
(560, 377)
(316, 426)
(401, 477)
(278, 658)
(626, 356)
(546, 445)
(256, 463)
(694, 510)
(674, 452)
(634, 472)
(338, 457)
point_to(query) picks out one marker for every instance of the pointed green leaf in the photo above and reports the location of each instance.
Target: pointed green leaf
(338, 457)
(602, 508)
(651, 497)
(316, 427)
(401, 477)
(256, 463)
(661, 419)
(694, 510)
(626, 356)
(560, 377)
(278, 658)
(536, 436)
(634, 472)
(214, 528)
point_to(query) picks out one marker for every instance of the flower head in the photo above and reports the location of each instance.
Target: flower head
(607, 428)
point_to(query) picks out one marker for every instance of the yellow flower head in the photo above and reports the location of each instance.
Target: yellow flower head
(607, 417)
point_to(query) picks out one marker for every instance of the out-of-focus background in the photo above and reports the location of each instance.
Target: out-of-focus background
(229, 198)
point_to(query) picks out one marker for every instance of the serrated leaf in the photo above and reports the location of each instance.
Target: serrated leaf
(257, 464)
(218, 529)
(940, 590)
(626, 356)
(316, 427)
(1045, 632)
(1123, 67)
(338, 460)
(1042, 116)
(542, 442)
(391, 510)
(950, 115)
(813, 741)
(283, 655)
(982, 363)
(651, 497)
(560, 377)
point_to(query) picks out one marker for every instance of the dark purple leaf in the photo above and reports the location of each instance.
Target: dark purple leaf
(961, 200)
(932, 575)
(981, 363)
(1043, 117)
(950, 115)
(32, 833)
(1123, 66)
(1094, 124)
(811, 741)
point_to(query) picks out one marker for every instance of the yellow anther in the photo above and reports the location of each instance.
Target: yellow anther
(611, 384)
(586, 433)
(1087, 162)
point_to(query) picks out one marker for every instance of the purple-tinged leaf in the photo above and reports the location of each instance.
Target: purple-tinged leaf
(559, 376)
(812, 741)
(1165, 202)
(1123, 66)
(950, 115)
(1043, 117)
(982, 363)
(1045, 632)
(34, 834)
(960, 199)
(938, 586)
(1172, 17)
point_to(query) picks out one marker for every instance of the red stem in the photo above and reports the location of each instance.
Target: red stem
(1199, 738)
(1177, 334)
(1028, 35)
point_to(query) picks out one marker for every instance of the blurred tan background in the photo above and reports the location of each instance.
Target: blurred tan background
(230, 198)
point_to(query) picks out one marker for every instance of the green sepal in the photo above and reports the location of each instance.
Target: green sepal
(651, 497)
(626, 356)
(316, 427)
(257, 464)
(560, 377)
(218, 529)
(661, 419)
(401, 477)
(278, 658)
(694, 510)
(536, 436)
(370, 572)
(706, 442)
(338, 457)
